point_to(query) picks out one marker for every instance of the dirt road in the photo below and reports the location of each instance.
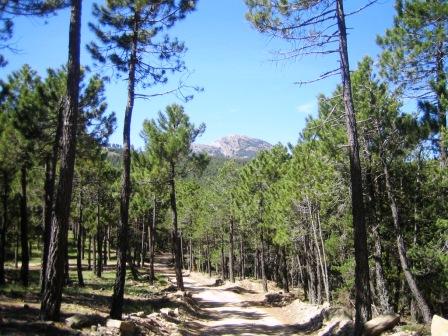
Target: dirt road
(231, 309)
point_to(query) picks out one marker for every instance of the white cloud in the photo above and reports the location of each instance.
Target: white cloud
(306, 108)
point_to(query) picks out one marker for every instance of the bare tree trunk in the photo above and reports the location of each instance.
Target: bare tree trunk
(4, 228)
(89, 254)
(105, 246)
(190, 249)
(223, 260)
(362, 297)
(52, 295)
(231, 252)
(25, 257)
(79, 242)
(262, 266)
(209, 264)
(143, 239)
(94, 255)
(99, 238)
(50, 179)
(242, 268)
(284, 271)
(152, 240)
(175, 234)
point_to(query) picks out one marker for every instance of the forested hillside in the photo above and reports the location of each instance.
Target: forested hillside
(352, 215)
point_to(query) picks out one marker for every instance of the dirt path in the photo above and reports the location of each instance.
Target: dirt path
(231, 309)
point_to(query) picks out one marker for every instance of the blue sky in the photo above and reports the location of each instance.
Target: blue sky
(245, 91)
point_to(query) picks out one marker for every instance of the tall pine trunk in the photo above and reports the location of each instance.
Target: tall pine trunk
(24, 269)
(52, 295)
(118, 295)
(142, 243)
(50, 179)
(262, 262)
(4, 227)
(99, 239)
(284, 270)
(79, 243)
(152, 240)
(175, 233)
(231, 250)
(362, 289)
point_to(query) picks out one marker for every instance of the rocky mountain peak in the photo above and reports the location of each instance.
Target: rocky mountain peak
(234, 146)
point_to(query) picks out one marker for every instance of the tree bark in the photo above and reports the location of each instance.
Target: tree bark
(52, 295)
(175, 234)
(284, 271)
(231, 250)
(50, 179)
(209, 263)
(99, 239)
(118, 294)
(190, 252)
(79, 243)
(105, 256)
(223, 260)
(142, 243)
(4, 227)
(242, 266)
(89, 254)
(362, 300)
(262, 262)
(25, 257)
(152, 240)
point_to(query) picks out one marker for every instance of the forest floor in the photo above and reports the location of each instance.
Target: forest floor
(238, 308)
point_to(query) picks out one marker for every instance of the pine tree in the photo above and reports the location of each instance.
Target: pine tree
(52, 294)
(169, 140)
(129, 32)
(310, 25)
(414, 58)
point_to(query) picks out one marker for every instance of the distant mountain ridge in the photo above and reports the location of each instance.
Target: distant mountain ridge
(234, 146)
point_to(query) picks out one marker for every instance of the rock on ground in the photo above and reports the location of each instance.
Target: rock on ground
(380, 324)
(125, 327)
(439, 326)
(79, 321)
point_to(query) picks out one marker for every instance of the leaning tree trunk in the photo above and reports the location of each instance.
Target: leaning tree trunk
(52, 295)
(50, 179)
(175, 233)
(231, 250)
(24, 269)
(4, 227)
(116, 309)
(420, 300)
(362, 297)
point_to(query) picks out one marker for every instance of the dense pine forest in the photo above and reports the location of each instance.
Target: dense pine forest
(353, 215)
